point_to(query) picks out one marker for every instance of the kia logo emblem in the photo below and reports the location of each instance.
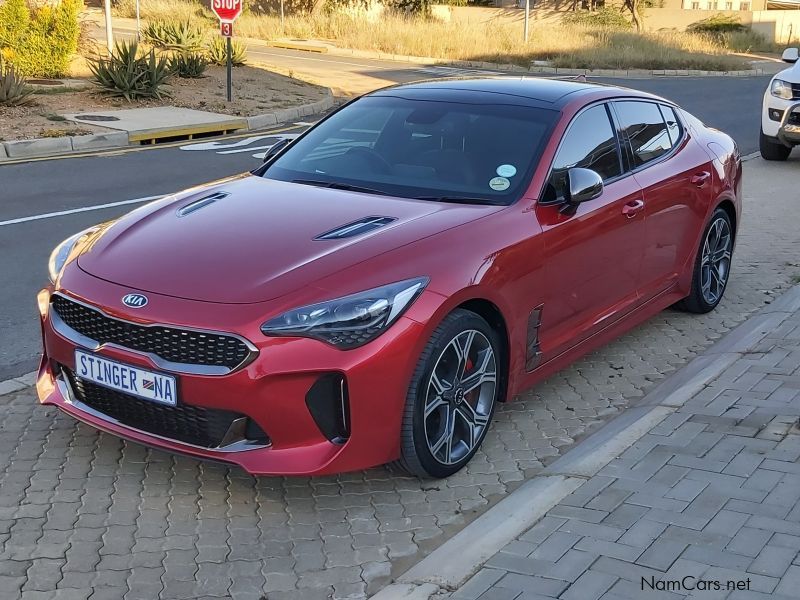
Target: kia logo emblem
(134, 300)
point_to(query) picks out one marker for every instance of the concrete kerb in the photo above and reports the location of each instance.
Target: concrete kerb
(15, 149)
(533, 69)
(452, 563)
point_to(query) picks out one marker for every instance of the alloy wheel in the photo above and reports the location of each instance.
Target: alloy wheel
(460, 397)
(716, 260)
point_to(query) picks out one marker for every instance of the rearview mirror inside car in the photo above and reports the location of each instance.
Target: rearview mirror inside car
(583, 185)
(276, 149)
(790, 55)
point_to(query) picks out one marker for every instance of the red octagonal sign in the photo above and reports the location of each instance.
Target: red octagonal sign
(227, 10)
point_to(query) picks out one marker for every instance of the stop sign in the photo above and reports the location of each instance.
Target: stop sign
(227, 10)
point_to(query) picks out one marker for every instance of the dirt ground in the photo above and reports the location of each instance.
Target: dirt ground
(255, 91)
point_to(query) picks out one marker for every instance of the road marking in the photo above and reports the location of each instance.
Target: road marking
(240, 146)
(127, 149)
(82, 209)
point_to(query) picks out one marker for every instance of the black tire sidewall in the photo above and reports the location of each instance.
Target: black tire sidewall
(419, 455)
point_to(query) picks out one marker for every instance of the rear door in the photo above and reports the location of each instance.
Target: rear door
(675, 174)
(594, 254)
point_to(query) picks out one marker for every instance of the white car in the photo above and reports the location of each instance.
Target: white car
(780, 115)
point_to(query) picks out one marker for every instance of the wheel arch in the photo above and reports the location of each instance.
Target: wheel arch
(730, 209)
(490, 312)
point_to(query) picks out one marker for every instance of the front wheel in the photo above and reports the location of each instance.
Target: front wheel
(712, 265)
(452, 396)
(772, 149)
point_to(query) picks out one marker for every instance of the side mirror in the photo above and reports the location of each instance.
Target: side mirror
(276, 149)
(790, 55)
(583, 185)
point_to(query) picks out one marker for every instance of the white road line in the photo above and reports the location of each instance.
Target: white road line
(73, 211)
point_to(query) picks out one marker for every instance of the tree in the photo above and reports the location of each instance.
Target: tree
(634, 7)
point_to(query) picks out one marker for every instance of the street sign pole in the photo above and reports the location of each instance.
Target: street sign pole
(230, 68)
(227, 11)
(527, 18)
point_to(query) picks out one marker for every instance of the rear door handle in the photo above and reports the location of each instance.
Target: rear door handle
(699, 179)
(631, 208)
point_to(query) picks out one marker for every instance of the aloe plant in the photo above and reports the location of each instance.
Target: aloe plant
(176, 35)
(190, 65)
(14, 89)
(129, 75)
(218, 52)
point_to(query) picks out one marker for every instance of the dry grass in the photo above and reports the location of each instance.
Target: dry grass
(572, 46)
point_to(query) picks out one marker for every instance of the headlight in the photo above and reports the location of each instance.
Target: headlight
(781, 89)
(350, 321)
(59, 255)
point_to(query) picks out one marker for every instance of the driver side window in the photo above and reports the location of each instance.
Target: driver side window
(590, 143)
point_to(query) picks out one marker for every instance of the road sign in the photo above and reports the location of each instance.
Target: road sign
(226, 29)
(227, 10)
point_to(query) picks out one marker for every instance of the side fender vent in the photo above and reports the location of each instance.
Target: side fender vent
(196, 205)
(359, 227)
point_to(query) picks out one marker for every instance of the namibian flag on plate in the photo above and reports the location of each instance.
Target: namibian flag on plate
(149, 385)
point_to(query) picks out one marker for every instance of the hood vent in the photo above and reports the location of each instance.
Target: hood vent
(201, 203)
(359, 227)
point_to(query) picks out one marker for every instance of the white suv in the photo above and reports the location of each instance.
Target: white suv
(780, 115)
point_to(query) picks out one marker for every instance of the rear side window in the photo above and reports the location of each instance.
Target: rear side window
(643, 125)
(673, 124)
(589, 143)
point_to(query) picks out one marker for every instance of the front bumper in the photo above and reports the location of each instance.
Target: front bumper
(789, 132)
(272, 391)
(781, 119)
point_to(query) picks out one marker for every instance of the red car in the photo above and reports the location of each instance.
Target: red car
(378, 285)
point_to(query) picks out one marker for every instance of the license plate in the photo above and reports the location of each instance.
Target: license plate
(142, 383)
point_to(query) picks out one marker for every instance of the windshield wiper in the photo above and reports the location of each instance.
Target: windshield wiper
(456, 199)
(335, 185)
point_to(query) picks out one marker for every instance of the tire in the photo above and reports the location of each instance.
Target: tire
(712, 265)
(455, 412)
(772, 149)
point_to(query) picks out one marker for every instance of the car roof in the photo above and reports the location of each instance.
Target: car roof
(538, 92)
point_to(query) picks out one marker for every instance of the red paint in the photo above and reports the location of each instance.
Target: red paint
(251, 256)
(227, 10)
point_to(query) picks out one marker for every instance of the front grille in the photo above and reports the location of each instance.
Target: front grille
(195, 425)
(795, 91)
(171, 344)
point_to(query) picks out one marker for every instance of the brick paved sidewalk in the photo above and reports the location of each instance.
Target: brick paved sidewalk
(711, 494)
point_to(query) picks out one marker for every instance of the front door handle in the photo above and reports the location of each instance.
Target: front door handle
(699, 179)
(631, 208)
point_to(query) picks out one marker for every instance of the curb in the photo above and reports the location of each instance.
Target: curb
(512, 68)
(454, 562)
(39, 147)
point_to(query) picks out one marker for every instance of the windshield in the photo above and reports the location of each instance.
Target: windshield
(429, 149)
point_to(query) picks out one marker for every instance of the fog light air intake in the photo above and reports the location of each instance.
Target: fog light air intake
(327, 401)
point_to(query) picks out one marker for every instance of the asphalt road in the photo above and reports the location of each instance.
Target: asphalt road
(67, 184)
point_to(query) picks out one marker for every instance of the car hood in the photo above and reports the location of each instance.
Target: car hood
(790, 75)
(249, 239)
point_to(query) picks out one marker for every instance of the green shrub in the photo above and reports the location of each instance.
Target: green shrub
(716, 25)
(189, 65)
(129, 75)
(605, 17)
(14, 90)
(217, 51)
(15, 20)
(40, 42)
(177, 35)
